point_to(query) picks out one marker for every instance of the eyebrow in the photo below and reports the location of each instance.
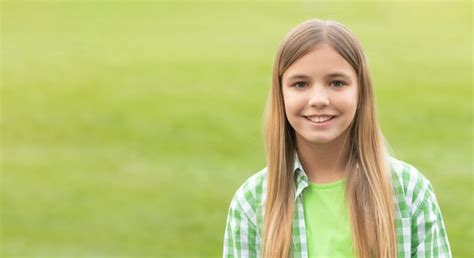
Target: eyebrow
(330, 75)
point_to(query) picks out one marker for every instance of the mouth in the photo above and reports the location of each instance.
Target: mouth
(320, 120)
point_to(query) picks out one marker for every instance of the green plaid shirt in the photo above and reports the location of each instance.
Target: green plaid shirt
(419, 225)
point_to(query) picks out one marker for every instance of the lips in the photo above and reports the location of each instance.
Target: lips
(320, 119)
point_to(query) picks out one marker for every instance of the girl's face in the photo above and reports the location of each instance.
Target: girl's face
(320, 92)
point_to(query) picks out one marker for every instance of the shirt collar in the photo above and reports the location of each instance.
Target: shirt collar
(301, 179)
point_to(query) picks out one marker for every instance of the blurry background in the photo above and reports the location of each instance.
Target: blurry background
(126, 127)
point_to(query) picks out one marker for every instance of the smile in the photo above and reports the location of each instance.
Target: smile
(319, 119)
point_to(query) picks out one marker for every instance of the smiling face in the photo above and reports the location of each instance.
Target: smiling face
(320, 93)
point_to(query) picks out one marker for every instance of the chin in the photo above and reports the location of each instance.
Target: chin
(319, 139)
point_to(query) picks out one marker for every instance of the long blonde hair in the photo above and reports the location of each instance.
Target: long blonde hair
(369, 189)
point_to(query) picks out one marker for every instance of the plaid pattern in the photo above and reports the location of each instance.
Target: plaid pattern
(419, 225)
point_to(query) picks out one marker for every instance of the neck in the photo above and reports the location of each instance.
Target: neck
(323, 162)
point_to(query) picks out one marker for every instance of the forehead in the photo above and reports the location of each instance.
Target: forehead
(320, 61)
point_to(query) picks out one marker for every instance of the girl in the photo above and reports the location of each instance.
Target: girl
(330, 189)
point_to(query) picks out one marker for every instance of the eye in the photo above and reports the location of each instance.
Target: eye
(338, 84)
(299, 85)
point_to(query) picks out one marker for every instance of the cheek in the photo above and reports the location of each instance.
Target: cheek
(352, 105)
(292, 103)
(347, 106)
(349, 101)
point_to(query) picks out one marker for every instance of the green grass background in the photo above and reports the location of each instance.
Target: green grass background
(126, 127)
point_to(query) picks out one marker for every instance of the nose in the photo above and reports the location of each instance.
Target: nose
(319, 97)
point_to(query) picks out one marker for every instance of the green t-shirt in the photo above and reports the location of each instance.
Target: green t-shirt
(327, 220)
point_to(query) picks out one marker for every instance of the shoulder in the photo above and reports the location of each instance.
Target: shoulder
(411, 187)
(250, 196)
(418, 212)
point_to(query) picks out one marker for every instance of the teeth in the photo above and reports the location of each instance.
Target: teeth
(319, 119)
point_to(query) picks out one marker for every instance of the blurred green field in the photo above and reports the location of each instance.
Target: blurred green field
(126, 127)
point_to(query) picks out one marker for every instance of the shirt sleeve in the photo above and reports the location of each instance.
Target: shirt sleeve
(240, 233)
(429, 237)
